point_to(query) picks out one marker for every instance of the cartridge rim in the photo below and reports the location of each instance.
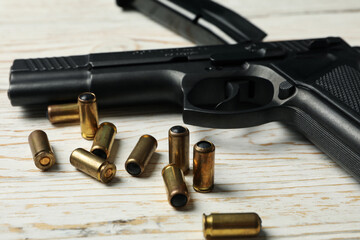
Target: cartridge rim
(204, 146)
(42, 156)
(179, 200)
(178, 130)
(107, 172)
(109, 124)
(206, 228)
(204, 190)
(87, 136)
(133, 168)
(168, 166)
(87, 97)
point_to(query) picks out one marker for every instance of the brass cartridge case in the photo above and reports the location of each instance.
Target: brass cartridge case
(104, 140)
(179, 147)
(88, 115)
(231, 225)
(93, 165)
(141, 155)
(41, 150)
(204, 164)
(63, 113)
(177, 192)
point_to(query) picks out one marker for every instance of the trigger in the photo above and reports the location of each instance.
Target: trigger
(231, 91)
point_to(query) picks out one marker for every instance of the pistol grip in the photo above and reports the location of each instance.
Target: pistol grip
(332, 131)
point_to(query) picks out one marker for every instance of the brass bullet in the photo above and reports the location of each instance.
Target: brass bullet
(231, 225)
(93, 165)
(88, 115)
(141, 155)
(179, 147)
(41, 150)
(104, 139)
(63, 113)
(177, 192)
(204, 164)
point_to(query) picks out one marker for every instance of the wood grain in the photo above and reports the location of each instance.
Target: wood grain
(270, 169)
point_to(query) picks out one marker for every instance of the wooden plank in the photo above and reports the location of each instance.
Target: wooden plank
(270, 169)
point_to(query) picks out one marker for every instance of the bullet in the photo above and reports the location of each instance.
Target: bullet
(204, 164)
(88, 115)
(93, 165)
(177, 192)
(179, 147)
(104, 140)
(231, 225)
(63, 113)
(41, 150)
(141, 155)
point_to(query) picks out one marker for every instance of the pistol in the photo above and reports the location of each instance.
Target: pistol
(313, 85)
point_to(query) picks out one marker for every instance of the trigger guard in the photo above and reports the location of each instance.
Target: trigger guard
(217, 116)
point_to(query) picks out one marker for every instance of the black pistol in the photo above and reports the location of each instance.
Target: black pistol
(313, 85)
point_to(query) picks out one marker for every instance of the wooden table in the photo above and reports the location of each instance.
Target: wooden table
(272, 170)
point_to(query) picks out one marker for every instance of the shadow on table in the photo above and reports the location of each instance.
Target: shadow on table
(114, 150)
(40, 112)
(56, 167)
(222, 188)
(262, 236)
(150, 168)
(114, 182)
(34, 112)
(139, 110)
(189, 207)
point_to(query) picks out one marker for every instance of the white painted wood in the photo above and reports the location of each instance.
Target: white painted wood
(272, 170)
